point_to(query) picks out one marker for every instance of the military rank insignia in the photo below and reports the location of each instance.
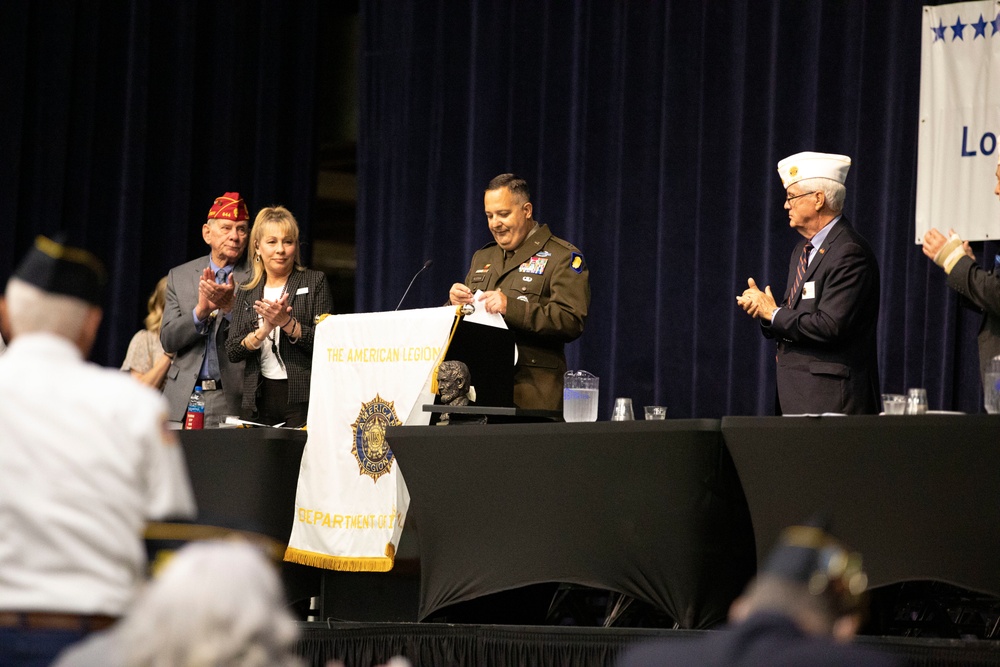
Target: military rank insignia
(534, 265)
(370, 448)
(485, 269)
(576, 262)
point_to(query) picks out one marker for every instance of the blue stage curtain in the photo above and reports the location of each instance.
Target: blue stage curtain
(650, 132)
(122, 121)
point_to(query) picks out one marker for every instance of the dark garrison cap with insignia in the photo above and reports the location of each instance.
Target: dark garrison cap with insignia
(809, 555)
(61, 269)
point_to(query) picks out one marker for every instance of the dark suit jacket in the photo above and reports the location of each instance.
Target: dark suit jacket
(827, 357)
(763, 640)
(544, 310)
(310, 296)
(178, 335)
(981, 289)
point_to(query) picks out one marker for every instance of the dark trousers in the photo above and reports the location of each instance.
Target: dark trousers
(273, 406)
(22, 647)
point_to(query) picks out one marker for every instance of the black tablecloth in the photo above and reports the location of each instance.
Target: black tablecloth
(245, 478)
(650, 509)
(918, 496)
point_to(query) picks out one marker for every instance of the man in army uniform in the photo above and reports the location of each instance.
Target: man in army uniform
(539, 284)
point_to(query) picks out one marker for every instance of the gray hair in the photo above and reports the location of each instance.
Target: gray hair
(216, 603)
(31, 309)
(834, 192)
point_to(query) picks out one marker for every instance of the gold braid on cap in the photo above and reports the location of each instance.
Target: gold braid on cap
(838, 573)
(75, 255)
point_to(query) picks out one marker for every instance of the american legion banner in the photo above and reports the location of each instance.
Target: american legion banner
(369, 371)
(959, 120)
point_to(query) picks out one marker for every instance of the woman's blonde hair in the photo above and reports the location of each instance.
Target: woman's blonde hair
(156, 303)
(286, 224)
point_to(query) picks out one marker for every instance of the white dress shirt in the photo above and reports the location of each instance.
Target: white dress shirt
(85, 460)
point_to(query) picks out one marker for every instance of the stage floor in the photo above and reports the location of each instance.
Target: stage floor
(447, 645)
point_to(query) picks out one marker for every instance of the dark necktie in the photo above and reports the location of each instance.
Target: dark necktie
(211, 352)
(800, 272)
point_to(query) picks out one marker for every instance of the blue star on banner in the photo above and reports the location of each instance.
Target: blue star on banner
(980, 27)
(957, 29)
(995, 23)
(939, 31)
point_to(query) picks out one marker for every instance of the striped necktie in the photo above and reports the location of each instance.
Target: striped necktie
(800, 272)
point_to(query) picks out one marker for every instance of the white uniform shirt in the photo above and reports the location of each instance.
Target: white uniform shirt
(85, 460)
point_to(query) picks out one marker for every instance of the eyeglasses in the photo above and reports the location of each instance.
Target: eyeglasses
(793, 197)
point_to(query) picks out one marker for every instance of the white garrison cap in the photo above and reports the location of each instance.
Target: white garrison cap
(801, 166)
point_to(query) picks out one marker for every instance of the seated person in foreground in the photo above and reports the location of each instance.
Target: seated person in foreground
(803, 608)
(214, 603)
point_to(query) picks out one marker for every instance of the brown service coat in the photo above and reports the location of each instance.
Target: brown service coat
(544, 310)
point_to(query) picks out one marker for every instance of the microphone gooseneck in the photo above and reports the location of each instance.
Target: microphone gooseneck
(423, 268)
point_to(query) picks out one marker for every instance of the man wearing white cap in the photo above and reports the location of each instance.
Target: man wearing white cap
(825, 324)
(979, 286)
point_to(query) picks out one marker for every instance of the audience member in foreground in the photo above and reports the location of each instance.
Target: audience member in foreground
(803, 608)
(217, 603)
(86, 460)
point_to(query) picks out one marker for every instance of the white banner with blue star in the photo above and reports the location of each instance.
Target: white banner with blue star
(370, 371)
(959, 120)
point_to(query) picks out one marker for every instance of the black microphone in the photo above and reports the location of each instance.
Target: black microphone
(423, 268)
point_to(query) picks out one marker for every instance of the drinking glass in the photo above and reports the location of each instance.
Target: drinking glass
(894, 404)
(623, 410)
(991, 387)
(916, 402)
(656, 412)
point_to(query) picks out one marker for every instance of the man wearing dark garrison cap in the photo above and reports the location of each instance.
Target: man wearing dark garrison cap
(803, 608)
(85, 460)
(197, 313)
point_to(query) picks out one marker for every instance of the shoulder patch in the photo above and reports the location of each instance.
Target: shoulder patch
(576, 262)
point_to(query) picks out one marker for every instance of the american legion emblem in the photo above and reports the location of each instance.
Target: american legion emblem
(370, 448)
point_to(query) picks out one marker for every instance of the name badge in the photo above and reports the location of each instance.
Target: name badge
(302, 290)
(809, 290)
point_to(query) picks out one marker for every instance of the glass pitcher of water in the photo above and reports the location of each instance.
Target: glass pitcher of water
(580, 390)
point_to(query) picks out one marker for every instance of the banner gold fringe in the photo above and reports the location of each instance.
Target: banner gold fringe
(342, 563)
(444, 351)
